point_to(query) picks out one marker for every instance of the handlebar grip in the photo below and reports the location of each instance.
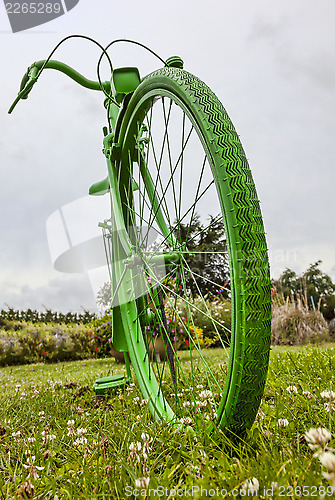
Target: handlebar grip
(27, 83)
(30, 75)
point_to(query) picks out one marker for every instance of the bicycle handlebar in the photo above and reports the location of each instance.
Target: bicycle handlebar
(34, 71)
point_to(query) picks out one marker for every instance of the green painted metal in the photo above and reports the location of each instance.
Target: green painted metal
(107, 384)
(144, 174)
(100, 188)
(125, 81)
(73, 74)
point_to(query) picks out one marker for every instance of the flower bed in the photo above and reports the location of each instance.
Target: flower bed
(35, 342)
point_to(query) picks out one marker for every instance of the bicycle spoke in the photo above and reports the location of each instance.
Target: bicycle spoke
(186, 213)
(159, 163)
(172, 174)
(196, 196)
(206, 228)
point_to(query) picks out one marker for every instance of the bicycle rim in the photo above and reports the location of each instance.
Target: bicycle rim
(197, 321)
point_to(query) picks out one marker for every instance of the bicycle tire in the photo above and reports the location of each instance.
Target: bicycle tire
(248, 355)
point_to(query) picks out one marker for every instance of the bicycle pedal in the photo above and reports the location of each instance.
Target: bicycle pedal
(107, 384)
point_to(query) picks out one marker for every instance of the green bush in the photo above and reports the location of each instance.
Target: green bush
(100, 334)
(36, 342)
(47, 316)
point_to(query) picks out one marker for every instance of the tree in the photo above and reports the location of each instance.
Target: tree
(207, 271)
(287, 283)
(314, 284)
(317, 283)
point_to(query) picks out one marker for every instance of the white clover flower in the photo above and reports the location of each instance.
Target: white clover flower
(33, 468)
(317, 437)
(146, 437)
(135, 446)
(251, 486)
(142, 482)
(211, 416)
(292, 389)
(328, 460)
(307, 394)
(31, 440)
(81, 441)
(330, 395)
(186, 420)
(70, 423)
(81, 431)
(16, 434)
(282, 422)
(205, 394)
(132, 446)
(186, 403)
(47, 437)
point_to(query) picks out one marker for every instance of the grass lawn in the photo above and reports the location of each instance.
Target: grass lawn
(57, 440)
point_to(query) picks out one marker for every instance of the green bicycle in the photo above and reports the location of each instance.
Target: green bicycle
(185, 224)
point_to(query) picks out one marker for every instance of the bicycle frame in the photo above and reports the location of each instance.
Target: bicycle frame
(118, 91)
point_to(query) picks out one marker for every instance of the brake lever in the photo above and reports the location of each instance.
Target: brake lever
(23, 94)
(27, 83)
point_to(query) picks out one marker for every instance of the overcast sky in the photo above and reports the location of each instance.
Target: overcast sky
(270, 62)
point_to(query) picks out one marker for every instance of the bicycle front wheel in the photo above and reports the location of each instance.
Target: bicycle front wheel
(194, 220)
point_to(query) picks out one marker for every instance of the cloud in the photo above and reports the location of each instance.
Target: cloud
(298, 43)
(61, 294)
(270, 63)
